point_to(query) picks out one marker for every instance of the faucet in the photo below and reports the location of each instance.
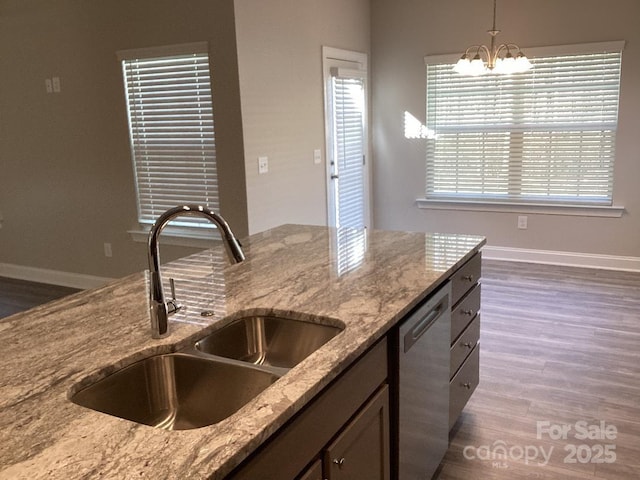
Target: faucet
(159, 308)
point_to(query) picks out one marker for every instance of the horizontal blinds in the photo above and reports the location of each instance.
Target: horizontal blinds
(172, 133)
(545, 135)
(348, 108)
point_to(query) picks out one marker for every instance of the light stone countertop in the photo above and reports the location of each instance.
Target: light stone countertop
(366, 281)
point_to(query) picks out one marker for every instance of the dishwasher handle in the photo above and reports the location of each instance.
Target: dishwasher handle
(423, 324)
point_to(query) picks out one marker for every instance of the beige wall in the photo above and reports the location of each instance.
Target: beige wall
(404, 31)
(66, 181)
(280, 63)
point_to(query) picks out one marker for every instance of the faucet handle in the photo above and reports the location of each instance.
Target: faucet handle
(172, 305)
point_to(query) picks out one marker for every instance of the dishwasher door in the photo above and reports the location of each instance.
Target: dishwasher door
(423, 387)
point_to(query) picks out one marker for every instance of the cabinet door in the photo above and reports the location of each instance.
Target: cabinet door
(361, 451)
(314, 472)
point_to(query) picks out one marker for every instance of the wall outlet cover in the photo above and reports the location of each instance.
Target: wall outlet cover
(522, 222)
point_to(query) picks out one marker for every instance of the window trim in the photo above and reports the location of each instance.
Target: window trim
(610, 211)
(559, 208)
(194, 237)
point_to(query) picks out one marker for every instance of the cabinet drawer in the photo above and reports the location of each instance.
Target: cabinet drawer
(464, 312)
(464, 344)
(463, 385)
(465, 277)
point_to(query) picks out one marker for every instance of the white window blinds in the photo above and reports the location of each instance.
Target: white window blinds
(545, 136)
(171, 128)
(349, 148)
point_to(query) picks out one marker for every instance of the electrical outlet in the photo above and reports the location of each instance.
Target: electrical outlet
(522, 222)
(55, 82)
(263, 165)
(48, 85)
(108, 252)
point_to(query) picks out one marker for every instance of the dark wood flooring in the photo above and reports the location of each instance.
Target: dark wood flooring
(559, 346)
(19, 295)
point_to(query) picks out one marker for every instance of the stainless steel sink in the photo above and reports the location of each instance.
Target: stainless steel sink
(176, 391)
(265, 340)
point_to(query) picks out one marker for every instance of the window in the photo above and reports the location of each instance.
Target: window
(546, 136)
(168, 93)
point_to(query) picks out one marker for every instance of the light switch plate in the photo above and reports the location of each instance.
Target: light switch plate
(317, 156)
(263, 165)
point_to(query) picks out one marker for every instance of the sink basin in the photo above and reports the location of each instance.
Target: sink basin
(175, 391)
(265, 340)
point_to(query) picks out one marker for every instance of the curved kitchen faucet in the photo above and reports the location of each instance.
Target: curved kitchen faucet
(159, 308)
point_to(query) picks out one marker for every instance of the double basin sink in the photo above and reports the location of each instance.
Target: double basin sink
(209, 380)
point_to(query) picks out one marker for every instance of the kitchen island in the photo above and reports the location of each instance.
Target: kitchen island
(365, 282)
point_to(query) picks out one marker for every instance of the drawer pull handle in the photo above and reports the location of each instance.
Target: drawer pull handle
(340, 462)
(467, 385)
(467, 344)
(468, 278)
(467, 312)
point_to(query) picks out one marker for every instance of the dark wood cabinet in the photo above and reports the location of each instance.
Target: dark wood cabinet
(465, 336)
(339, 423)
(361, 450)
(314, 472)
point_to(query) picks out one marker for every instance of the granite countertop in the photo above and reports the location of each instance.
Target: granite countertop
(367, 281)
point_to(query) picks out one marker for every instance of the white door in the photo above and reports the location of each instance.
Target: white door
(345, 89)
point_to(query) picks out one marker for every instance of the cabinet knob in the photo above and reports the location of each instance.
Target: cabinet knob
(339, 462)
(468, 278)
(467, 344)
(467, 385)
(467, 312)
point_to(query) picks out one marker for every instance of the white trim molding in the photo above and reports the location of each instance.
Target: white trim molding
(571, 259)
(611, 211)
(52, 277)
(193, 237)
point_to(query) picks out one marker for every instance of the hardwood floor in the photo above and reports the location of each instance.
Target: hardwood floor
(559, 345)
(19, 295)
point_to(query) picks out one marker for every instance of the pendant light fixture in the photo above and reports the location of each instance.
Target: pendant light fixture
(493, 59)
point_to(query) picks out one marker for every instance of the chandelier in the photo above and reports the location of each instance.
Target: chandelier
(492, 59)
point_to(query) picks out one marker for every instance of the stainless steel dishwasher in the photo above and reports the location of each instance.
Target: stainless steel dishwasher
(423, 387)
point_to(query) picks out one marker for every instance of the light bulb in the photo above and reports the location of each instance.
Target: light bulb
(508, 64)
(522, 63)
(477, 66)
(463, 67)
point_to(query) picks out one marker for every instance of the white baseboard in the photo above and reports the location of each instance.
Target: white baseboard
(585, 260)
(52, 277)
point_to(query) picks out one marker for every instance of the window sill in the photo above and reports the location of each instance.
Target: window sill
(531, 208)
(180, 236)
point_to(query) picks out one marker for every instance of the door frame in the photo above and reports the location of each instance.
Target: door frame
(349, 60)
